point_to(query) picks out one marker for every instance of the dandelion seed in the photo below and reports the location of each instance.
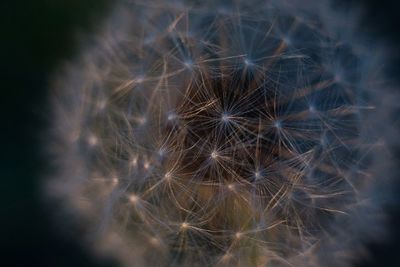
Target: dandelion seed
(146, 165)
(287, 40)
(93, 140)
(184, 226)
(134, 162)
(188, 63)
(154, 241)
(225, 117)
(171, 116)
(149, 40)
(101, 105)
(231, 187)
(247, 62)
(161, 152)
(168, 176)
(238, 235)
(139, 79)
(114, 181)
(338, 77)
(142, 120)
(226, 257)
(134, 198)
(214, 155)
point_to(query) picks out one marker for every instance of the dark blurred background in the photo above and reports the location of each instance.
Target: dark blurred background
(36, 37)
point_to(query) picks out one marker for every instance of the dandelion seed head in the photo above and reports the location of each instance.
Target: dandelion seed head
(237, 134)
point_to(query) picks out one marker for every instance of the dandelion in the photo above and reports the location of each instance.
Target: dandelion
(243, 133)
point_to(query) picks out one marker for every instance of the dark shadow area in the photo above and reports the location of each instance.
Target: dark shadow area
(36, 37)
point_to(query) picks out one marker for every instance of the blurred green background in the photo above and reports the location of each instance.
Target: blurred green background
(37, 36)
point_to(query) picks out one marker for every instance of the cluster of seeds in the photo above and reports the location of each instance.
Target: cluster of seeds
(216, 134)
